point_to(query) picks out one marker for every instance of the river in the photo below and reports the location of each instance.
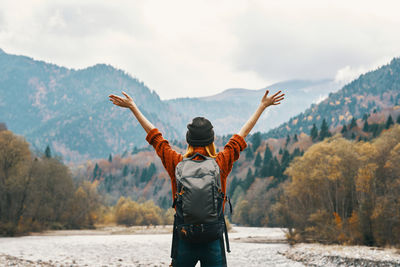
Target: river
(249, 246)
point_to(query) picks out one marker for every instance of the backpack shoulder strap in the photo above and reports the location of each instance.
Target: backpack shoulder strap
(197, 154)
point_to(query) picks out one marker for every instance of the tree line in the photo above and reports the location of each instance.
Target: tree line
(341, 190)
(38, 192)
(345, 192)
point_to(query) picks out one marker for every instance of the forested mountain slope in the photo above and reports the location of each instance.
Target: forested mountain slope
(372, 91)
(69, 109)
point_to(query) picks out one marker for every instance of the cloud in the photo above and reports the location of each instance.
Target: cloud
(196, 48)
(295, 40)
(350, 73)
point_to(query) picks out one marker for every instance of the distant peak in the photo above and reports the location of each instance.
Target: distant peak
(100, 66)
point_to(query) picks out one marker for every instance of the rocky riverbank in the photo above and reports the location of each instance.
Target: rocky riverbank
(111, 230)
(150, 246)
(335, 255)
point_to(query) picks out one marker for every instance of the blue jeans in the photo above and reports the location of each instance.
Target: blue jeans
(209, 254)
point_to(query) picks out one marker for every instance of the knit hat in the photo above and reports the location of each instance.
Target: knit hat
(200, 132)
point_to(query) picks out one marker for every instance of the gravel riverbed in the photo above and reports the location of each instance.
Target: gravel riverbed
(150, 246)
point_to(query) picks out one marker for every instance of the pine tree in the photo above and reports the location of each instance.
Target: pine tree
(295, 138)
(249, 153)
(344, 129)
(152, 169)
(267, 155)
(47, 152)
(232, 186)
(285, 159)
(353, 123)
(365, 117)
(110, 158)
(257, 161)
(256, 140)
(366, 126)
(398, 119)
(96, 172)
(296, 152)
(267, 169)
(324, 132)
(389, 122)
(314, 132)
(287, 140)
(249, 180)
(125, 171)
(276, 168)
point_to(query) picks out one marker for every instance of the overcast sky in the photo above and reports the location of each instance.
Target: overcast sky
(197, 48)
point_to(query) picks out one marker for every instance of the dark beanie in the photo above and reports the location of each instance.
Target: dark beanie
(200, 132)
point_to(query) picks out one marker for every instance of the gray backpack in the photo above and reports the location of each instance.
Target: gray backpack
(199, 200)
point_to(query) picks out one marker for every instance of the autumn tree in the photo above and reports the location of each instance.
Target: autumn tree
(15, 161)
(128, 212)
(345, 192)
(38, 193)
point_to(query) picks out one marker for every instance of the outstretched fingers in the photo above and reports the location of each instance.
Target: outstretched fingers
(126, 95)
(277, 98)
(276, 94)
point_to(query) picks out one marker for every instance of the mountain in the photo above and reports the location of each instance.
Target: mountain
(256, 178)
(69, 109)
(229, 110)
(377, 90)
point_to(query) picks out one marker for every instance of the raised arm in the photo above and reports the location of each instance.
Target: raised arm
(265, 102)
(128, 102)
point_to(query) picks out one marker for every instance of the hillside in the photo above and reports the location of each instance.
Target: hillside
(229, 110)
(69, 109)
(261, 167)
(372, 92)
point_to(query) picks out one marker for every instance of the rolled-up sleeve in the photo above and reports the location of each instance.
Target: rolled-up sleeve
(231, 153)
(169, 157)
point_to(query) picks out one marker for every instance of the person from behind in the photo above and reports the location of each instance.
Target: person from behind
(198, 182)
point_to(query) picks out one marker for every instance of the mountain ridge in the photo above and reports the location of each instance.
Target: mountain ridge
(55, 102)
(375, 89)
